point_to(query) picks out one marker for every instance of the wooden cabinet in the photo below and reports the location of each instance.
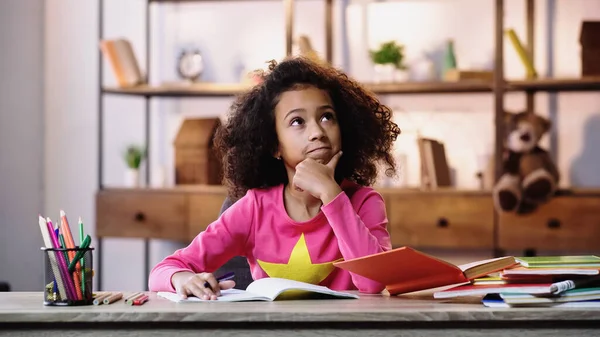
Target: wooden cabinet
(566, 223)
(141, 213)
(440, 219)
(437, 219)
(173, 214)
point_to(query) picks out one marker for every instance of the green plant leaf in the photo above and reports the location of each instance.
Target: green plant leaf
(388, 53)
(134, 155)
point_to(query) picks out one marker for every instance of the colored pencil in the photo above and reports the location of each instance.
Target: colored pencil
(80, 253)
(62, 265)
(61, 241)
(140, 300)
(81, 261)
(70, 243)
(52, 257)
(129, 299)
(66, 230)
(113, 297)
(99, 299)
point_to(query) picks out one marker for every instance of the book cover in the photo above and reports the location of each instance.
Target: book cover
(523, 271)
(573, 295)
(478, 290)
(485, 280)
(122, 60)
(525, 59)
(559, 261)
(405, 269)
(268, 289)
(495, 301)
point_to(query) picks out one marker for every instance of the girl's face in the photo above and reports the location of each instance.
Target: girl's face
(307, 126)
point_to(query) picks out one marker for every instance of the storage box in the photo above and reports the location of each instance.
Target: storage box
(590, 48)
(196, 159)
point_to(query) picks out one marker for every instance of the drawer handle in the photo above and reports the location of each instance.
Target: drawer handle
(553, 223)
(442, 222)
(139, 217)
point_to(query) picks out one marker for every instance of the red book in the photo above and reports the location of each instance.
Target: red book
(405, 269)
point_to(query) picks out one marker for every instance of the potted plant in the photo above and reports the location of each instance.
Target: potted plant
(388, 64)
(133, 158)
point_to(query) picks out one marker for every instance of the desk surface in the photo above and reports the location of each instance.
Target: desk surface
(20, 307)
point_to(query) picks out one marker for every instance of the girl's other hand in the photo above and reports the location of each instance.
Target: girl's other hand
(190, 284)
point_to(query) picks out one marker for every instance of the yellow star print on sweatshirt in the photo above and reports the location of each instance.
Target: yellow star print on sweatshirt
(299, 266)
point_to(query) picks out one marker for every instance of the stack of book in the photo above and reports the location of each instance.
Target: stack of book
(501, 282)
(562, 281)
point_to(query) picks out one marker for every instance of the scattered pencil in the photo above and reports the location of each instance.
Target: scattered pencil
(130, 298)
(107, 297)
(140, 300)
(99, 299)
(113, 298)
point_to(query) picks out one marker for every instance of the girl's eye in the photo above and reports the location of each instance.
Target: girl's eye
(296, 121)
(328, 116)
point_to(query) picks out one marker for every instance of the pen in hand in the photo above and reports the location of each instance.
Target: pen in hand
(228, 276)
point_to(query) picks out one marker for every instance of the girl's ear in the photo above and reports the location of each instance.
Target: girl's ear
(277, 155)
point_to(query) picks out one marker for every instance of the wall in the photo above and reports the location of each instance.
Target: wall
(70, 119)
(234, 33)
(21, 139)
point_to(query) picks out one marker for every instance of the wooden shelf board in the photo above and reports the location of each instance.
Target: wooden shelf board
(542, 84)
(181, 90)
(430, 87)
(220, 189)
(218, 89)
(556, 84)
(233, 89)
(175, 1)
(207, 189)
(440, 191)
(223, 189)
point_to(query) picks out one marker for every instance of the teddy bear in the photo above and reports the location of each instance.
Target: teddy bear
(529, 176)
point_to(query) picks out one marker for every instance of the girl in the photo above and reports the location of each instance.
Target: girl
(298, 150)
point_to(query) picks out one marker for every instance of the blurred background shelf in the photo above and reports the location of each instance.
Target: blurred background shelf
(232, 89)
(176, 1)
(556, 84)
(192, 90)
(220, 89)
(430, 87)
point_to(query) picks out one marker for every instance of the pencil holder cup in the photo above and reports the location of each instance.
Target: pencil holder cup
(68, 276)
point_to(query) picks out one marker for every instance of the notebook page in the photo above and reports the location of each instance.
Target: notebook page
(272, 287)
(228, 295)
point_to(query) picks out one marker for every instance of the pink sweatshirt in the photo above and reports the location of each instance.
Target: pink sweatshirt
(258, 227)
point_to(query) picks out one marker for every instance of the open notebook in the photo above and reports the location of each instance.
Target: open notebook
(267, 289)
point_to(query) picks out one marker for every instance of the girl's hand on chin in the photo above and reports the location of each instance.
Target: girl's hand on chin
(318, 179)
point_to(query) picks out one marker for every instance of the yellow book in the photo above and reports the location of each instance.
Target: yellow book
(527, 62)
(488, 280)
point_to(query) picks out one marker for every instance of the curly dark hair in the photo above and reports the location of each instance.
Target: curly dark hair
(248, 141)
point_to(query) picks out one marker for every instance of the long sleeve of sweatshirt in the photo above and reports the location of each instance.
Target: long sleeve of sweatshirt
(360, 232)
(223, 239)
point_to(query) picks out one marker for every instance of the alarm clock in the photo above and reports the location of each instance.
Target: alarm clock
(190, 65)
